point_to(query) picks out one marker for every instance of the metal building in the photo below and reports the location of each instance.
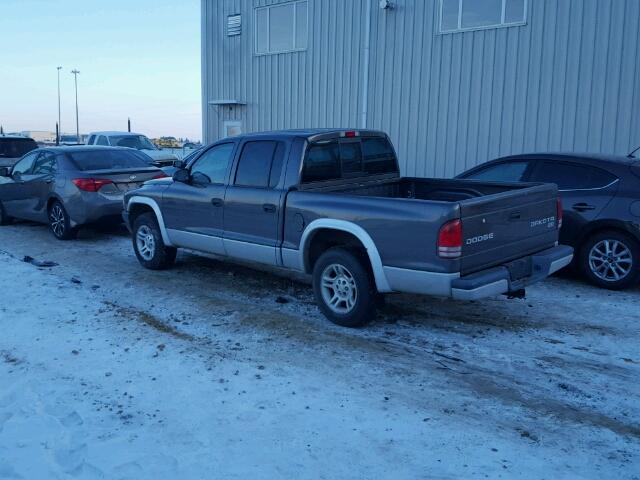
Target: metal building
(454, 82)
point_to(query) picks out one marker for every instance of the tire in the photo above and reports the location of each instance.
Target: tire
(60, 223)
(611, 260)
(4, 218)
(148, 245)
(342, 275)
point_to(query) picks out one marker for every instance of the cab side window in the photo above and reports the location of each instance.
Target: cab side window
(260, 164)
(102, 140)
(212, 165)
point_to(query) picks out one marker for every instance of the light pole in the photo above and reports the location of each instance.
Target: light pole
(59, 123)
(75, 74)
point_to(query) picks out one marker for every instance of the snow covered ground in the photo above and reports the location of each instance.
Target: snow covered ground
(212, 370)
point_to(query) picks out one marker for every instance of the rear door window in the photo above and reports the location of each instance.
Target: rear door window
(45, 164)
(260, 164)
(572, 176)
(502, 172)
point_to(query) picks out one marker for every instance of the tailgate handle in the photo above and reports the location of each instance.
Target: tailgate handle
(514, 216)
(582, 207)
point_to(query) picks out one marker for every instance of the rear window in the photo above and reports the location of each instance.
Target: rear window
(572, 176)
(109, 159)
(333, 160)
(16, 147)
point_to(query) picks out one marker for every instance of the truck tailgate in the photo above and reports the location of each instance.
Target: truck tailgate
(504, 227)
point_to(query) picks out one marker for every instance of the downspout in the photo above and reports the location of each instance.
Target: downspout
(365, 72)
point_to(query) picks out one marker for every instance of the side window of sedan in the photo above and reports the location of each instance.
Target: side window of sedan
(45, 164)
(572, 176)
(502, 172)
(25, 166)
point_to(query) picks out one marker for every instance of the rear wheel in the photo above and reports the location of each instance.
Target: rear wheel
(4, 218)
(343, 288)
(148, 245)
(611, 259)
(60, 223)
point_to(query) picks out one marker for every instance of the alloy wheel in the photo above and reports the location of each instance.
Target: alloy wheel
(339, 290)
(146, 242)
(57, 220)
(610, 260)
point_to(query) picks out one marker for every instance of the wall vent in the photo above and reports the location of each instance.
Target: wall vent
(234, 25)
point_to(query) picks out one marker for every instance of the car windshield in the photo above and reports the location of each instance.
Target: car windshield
(139, 142)
(108, 159)
(16, 147)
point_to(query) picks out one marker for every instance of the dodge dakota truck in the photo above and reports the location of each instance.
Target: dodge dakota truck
(332, 203)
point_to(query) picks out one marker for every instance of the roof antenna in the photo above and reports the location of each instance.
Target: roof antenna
(129, 125)
(1, 130)
(57, 135)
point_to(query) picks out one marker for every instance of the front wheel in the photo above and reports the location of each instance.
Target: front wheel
(60, 223)
(611, 259)
(148, 245)
(343, 288)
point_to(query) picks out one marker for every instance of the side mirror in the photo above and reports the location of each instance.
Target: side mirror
(181, 175)
(5, 171)
(179, 164)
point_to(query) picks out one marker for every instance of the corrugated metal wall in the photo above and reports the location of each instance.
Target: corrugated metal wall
(568, 80)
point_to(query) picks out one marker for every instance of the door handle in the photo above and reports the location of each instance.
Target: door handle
(217, 202)
(582, 207)
(269, 207)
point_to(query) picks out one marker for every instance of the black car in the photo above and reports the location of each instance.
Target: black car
(12, 147)
(601, 207)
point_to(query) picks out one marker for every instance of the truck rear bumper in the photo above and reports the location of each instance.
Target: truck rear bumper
(486, 283)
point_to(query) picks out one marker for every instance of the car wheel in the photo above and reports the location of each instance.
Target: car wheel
(150, 249)
(60, 223)
(344, 288)
(4, 218)
(611, 259)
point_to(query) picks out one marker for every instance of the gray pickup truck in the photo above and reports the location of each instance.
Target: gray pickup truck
(332, 203)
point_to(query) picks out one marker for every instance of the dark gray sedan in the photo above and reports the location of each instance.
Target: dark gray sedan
(67, 187)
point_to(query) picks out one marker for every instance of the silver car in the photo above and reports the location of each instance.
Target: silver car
(67, 187)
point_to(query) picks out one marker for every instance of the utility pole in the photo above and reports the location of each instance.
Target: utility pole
(59, 122)
(75, 74)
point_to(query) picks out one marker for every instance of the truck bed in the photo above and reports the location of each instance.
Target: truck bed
(501, 222)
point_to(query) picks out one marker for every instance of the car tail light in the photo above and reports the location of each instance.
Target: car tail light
(91, 184)
(350, 134)
(160, 175)
(450, 239)
(559, 208)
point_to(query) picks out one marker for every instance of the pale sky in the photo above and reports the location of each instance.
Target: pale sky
(137, 58)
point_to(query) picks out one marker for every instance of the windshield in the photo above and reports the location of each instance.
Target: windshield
(139, 142)
(16, 147)
(109, 159)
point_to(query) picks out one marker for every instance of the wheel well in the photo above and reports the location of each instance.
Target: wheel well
(604, 228)
(51, 202)
(137, 209)
(325, 238)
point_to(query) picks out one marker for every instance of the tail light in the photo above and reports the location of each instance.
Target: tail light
(160, 175)
(559, 208)
(450, 239)
(91, 184)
